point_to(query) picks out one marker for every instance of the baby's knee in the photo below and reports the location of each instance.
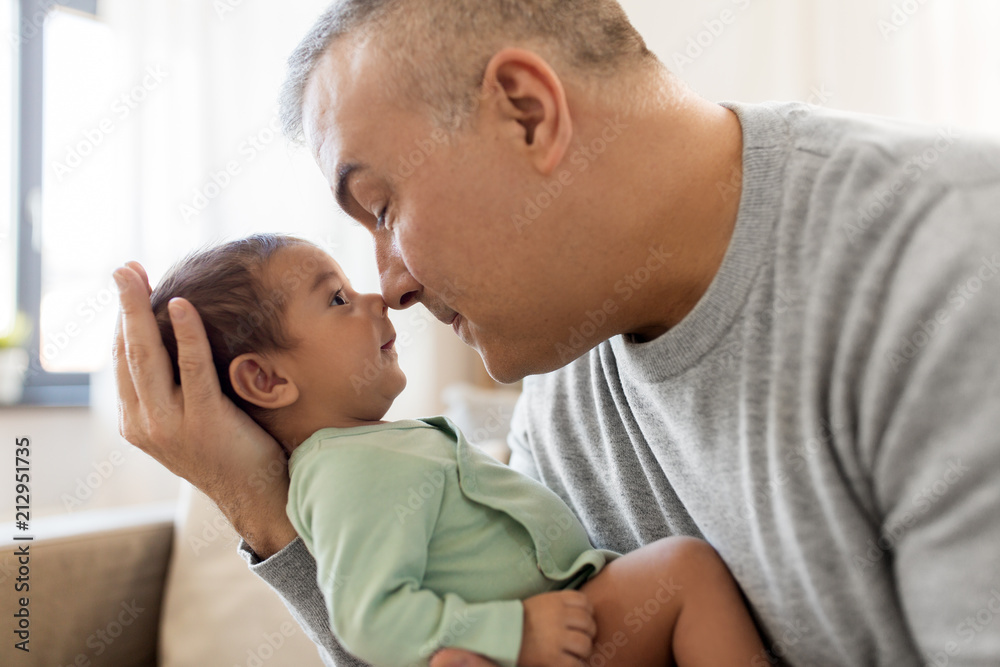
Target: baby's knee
(689, 558)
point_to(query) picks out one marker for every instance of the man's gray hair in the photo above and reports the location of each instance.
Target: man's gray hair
(439, 49)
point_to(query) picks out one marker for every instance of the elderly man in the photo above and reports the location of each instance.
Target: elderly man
(769, 326)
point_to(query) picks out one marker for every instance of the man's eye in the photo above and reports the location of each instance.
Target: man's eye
(380, 220)
(338, 299)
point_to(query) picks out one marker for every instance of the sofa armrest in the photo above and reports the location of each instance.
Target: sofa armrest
(95, 586)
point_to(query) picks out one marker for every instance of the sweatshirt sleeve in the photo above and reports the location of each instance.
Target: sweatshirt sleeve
(368, 516)
(930, 419)
(291, 573)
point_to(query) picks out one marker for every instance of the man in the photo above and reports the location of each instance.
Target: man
(769, 326)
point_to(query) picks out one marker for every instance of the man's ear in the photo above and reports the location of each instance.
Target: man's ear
(526, 90)
(260, 381)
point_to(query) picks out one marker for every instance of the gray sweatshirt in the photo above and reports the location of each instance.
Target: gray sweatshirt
(827, 417)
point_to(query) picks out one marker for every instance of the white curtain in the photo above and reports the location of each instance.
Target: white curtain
(210, 163)
(924, 60)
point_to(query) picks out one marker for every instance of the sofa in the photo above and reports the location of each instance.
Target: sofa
(158, 585)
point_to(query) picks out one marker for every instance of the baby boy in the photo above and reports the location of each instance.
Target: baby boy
(421, 540)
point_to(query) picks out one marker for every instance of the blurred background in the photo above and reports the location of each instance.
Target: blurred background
(143, 129)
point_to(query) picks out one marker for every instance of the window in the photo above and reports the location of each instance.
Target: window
(63, 53)
(8, 228)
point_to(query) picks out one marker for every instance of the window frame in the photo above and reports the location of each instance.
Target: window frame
(41, 387)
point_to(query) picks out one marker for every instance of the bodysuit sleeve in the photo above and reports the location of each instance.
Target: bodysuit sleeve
(368, 516)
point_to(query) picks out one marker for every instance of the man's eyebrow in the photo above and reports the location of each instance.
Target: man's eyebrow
(322, 278)
(343, 174)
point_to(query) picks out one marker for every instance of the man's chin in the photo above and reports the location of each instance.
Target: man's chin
(508, 368)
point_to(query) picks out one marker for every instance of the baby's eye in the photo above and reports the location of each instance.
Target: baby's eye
(338, 299)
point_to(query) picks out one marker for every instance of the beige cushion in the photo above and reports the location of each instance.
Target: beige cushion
(96, 580)
(216, 612)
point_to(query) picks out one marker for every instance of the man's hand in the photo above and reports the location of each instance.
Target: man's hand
(559, 630)
(194, 430)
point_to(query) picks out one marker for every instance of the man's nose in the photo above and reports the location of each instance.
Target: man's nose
(399, 288)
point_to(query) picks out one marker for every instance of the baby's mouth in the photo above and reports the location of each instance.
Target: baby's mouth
(388, 346)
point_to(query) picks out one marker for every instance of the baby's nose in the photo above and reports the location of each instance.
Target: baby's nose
(379, 305)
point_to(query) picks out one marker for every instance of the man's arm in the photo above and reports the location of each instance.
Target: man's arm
(929, 422)
(292, 574)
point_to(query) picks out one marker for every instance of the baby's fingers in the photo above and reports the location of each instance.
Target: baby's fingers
(581, 620)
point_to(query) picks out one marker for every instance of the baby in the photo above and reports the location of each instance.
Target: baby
(421, 540)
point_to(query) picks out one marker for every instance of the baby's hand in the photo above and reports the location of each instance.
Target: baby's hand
(559, 630)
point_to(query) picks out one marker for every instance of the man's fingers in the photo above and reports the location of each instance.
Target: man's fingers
(137, 267)
(148, 364)
(127, 399)
(199, 382)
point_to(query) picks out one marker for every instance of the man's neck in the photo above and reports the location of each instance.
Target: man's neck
(683, 201)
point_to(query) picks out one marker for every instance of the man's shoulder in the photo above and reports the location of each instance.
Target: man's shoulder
(894, 148)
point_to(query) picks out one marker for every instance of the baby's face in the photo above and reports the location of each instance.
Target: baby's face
(345, 363)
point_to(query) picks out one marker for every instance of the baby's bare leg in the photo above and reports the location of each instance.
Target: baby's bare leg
(672, 600)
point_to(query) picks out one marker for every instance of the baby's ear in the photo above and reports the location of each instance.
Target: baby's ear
(257, 380)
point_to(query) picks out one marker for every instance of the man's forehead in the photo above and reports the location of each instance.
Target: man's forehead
(341, 98)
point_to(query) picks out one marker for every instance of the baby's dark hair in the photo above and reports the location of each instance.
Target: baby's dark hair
(241, 310)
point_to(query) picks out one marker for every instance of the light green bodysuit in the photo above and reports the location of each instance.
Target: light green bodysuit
(423, 541)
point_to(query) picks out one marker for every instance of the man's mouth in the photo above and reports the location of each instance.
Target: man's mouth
(456, 324)
(388, 346)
